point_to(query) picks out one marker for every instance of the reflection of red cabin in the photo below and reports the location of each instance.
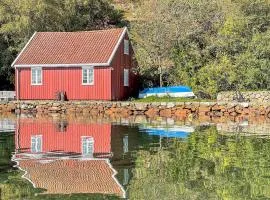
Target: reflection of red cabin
(69, 174)
(69, 141)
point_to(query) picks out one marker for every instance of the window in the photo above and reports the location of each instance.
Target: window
(36, 76)
(126, 77)
(36, 143)
(88, 75)
(87, 146)
(125, 144)
(126, 47)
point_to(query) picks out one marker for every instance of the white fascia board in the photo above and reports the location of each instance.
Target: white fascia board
(117, 45)
(64, 65)
(12, 65)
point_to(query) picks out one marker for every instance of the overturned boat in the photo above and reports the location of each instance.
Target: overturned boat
(173, 91)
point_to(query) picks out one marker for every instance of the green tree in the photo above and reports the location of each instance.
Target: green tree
(20, 19)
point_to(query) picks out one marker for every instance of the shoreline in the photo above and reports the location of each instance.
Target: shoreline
(129, 108)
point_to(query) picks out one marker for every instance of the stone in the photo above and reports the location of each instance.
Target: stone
(181, 112)
(152, 112)
(141, 106)
(165, 113)
(140, 119)
(170, 105)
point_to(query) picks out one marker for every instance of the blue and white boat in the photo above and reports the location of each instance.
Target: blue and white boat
(173, 91)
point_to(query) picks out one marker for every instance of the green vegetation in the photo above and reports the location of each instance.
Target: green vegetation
(209, 45)
(206, 165)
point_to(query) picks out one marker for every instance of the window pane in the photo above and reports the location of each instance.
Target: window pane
(38, 80)
(126, 47)
(91, 76)
(126, 77)
(34, 76)
(85, 76)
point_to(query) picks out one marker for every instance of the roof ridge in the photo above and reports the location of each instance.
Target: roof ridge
(101, 30)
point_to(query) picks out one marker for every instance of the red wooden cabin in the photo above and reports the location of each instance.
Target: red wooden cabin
(90, 65)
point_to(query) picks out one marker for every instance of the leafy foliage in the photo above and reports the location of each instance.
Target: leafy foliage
(20, 19)
(211, 46)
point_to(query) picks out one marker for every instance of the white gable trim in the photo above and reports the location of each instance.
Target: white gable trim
(107, 64)
(23, 49)
(117, 45)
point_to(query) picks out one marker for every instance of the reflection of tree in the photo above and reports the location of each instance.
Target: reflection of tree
(205, 166)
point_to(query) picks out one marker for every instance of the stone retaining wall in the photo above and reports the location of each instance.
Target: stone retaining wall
(163, 109)
(255, 96)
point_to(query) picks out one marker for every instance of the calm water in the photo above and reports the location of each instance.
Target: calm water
(61, 158)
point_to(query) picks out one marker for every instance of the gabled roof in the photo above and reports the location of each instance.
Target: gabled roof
(71, 48)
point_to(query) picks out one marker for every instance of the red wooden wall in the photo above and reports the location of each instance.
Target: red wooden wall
(119, 63)
(68, 80)
(68, 141)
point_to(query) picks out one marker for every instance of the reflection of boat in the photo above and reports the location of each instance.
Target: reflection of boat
(75, 160)
(175, 131)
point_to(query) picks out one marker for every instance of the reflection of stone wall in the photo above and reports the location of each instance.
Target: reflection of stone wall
(244, 128)
(255, 96)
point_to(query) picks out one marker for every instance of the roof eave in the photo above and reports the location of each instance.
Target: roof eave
(63, 65)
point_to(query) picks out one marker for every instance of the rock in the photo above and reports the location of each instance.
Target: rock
(170, 105)
(141, 106)
(181, 112)
(140, 119)
(165, 113)
(152, 112)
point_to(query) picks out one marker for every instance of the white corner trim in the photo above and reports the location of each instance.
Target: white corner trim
(117, 45)
(12, 65)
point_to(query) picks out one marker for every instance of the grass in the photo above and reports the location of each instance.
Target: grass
(171, 99)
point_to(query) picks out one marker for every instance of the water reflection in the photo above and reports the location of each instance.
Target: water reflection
(62, 158)
(67, 158)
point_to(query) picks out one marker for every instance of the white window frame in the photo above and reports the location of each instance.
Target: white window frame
(88, 76)
(36, 81)
(89, 140)
(126, 79)
(34, 148)
(126, 47)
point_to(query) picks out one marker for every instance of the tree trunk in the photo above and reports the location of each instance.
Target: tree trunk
(160, 77)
